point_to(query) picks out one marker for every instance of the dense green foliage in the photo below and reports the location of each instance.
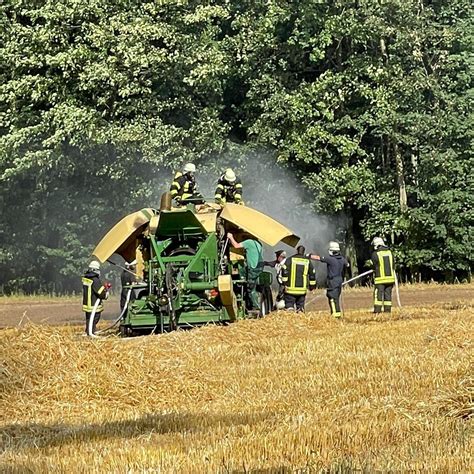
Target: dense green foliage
(368, 103)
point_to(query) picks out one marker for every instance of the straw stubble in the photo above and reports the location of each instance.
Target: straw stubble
(279, 394)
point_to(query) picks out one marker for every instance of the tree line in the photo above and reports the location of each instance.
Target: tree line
(367, 103)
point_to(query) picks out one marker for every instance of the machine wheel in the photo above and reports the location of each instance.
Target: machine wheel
(266, 301)
(125, 331)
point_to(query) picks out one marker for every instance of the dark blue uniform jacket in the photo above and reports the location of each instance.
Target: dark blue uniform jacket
(336, 264)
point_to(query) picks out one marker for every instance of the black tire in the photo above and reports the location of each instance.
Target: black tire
(263, 305)
(266, 301)
(125, 331)
(269, 299)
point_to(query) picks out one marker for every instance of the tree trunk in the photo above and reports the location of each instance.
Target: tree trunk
(400, 178)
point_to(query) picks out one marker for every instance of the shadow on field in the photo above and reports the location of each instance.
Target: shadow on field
(36, 435)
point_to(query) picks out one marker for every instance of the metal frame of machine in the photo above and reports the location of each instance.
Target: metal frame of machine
(190, 276)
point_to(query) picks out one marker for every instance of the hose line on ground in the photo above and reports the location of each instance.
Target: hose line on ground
(91, 319)
(122, 314)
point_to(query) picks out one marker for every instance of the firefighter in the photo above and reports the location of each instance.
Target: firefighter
(297, 275)
(336, 264)
(254, 260)
(184, 187)
(92, 290)
(277, 264)
(229, 188)
(127, 278)
(384, 276)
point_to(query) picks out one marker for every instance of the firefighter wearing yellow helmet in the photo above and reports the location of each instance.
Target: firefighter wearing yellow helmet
(229, 188)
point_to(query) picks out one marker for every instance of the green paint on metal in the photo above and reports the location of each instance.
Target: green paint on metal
(182, 266)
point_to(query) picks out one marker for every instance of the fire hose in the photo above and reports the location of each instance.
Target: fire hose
(94, 310)
(122, 314)
(368, 272)
(344, 283)
(91, 319)
(126, 269)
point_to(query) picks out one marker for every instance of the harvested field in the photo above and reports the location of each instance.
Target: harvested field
(280, 394)
(67, 310)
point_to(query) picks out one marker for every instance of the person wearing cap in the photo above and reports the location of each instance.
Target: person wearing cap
(336, 264)
(277, 264)
(92, 290)
(184, 187)
(297, 275)
(229, 188)
(127, 279)
(384, 276)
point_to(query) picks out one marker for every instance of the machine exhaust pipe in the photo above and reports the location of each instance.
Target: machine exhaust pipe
(165, 203)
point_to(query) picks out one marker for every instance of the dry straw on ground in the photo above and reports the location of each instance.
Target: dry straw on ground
(282, 394)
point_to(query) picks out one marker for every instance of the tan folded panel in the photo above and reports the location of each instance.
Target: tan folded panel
(121, 239)
(259, 225)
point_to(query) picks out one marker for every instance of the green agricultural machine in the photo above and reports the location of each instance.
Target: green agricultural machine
(188, 274)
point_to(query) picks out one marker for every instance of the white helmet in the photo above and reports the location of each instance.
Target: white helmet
(334, 246)
(189, 168)
(131, 264)
(229, 175)
(280, 304)
(94, 265)
(378, 242)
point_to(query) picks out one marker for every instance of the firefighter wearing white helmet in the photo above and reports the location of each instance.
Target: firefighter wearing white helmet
(384, 276)
(92, 290)
(184, 188)
(336, 264)
(229, 188)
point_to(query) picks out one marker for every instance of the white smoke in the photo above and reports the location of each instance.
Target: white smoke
(269, 188)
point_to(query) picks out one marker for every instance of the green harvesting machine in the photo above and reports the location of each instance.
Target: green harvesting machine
(187, 272)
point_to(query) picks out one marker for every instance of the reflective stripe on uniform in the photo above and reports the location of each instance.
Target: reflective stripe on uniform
(385, 268)
(174, 188)
(88, 306)
(87, 282)
(284, 273)
(377, 302)
(298, 287)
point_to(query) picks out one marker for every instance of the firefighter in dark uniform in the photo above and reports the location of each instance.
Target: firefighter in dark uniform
(297, 275)
(92, 290)
(384, 276)
(184, 187)
(277, 264)
(336, 264)
(127, 278)
(229, 188)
